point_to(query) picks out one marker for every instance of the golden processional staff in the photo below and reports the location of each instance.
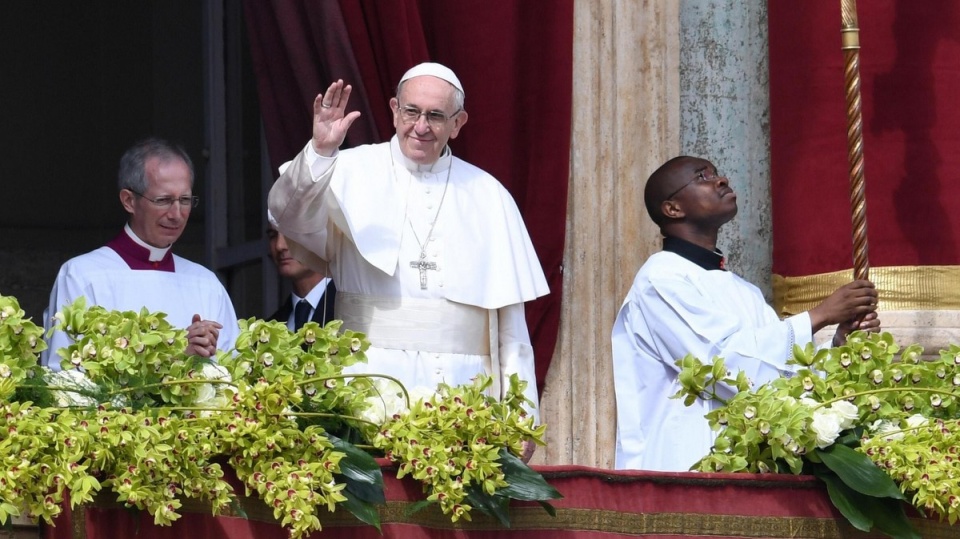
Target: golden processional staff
(850, 35)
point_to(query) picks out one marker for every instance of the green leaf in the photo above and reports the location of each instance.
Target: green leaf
(238, 509)
(850, 437)
(842, 497)
(497, 505)
(719, 370)
(802, 355)
(416, 507)
(361, 472)
(551, 510)
(90, 484)
(6, 511)
(858, 472)
(865, 512)
(891, 520)
(365, 512)
(524, 482)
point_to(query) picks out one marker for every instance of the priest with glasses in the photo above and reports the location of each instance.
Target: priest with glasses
(430, 255)
(138, 269)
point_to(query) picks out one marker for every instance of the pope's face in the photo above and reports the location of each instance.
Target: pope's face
(154, 224)
(422, 141)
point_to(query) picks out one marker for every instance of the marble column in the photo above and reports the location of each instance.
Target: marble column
(653, 79)
(725, 117)
(626, 122)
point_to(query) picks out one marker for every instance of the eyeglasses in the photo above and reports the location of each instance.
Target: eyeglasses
(186, 201)
(702, 177)
(436, 119)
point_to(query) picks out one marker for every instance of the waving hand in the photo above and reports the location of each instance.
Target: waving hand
(330, 123)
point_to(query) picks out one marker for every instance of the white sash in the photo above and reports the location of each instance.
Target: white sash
(426, 325)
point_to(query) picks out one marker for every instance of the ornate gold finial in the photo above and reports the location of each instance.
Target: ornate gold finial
(848, 13)
(849, 32)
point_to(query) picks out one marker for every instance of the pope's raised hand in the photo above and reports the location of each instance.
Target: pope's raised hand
(330, 121)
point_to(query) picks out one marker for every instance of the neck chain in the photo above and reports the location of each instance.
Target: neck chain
(421, 264)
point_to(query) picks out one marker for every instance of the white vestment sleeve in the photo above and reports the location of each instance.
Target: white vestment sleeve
(65, 290)
(516, 353)
(682, 321)
(227, 317)
(302, 206)
(674, 308)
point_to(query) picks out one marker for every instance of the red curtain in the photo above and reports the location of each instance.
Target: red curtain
(514, 58)
(910, 69)
(596, 504)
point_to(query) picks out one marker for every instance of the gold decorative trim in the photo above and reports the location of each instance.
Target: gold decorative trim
(621, 523)
(78, 521)
(850, 38)
(632, 522)
(902, 288)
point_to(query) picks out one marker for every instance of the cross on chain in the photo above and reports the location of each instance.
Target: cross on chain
(423, 266)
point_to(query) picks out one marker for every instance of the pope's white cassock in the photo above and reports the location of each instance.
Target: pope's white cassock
(678, 306)
(127, 275)
(432, 262)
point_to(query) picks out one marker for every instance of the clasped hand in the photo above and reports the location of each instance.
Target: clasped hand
(202, 337)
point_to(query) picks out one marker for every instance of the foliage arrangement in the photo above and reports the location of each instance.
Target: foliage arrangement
(462, 445)
(131, 414)
(876, 422)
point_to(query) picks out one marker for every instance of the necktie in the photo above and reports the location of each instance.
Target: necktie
(301, 314)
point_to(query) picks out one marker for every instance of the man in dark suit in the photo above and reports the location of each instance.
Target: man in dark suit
(313, 294)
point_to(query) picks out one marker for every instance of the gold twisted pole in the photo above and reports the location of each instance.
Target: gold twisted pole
(850, 35)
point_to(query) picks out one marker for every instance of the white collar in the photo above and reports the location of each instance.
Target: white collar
(440, 165)
(314, 296)
(156, 253)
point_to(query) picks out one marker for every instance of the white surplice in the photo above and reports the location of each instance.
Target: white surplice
(365, 214)
(105, 279)
(676, 307)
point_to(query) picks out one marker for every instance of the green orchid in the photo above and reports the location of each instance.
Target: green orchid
(876, 421)
(131, 415)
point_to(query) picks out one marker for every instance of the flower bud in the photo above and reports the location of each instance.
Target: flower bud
(845, 360)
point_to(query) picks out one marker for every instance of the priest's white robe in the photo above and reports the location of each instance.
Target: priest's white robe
(364, 215)
(105, 279)
(676, 307)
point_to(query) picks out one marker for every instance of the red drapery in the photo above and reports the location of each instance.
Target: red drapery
(910, 69)
(597, 504)
(514, 58)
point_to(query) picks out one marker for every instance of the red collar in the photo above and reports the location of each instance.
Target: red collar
(137, 257)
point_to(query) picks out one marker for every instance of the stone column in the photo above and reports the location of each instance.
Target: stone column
(725, 117)
(625, 123)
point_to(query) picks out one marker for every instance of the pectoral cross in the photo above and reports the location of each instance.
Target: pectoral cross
(423, 266)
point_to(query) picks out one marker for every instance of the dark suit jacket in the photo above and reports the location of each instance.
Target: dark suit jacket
(329, 297)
